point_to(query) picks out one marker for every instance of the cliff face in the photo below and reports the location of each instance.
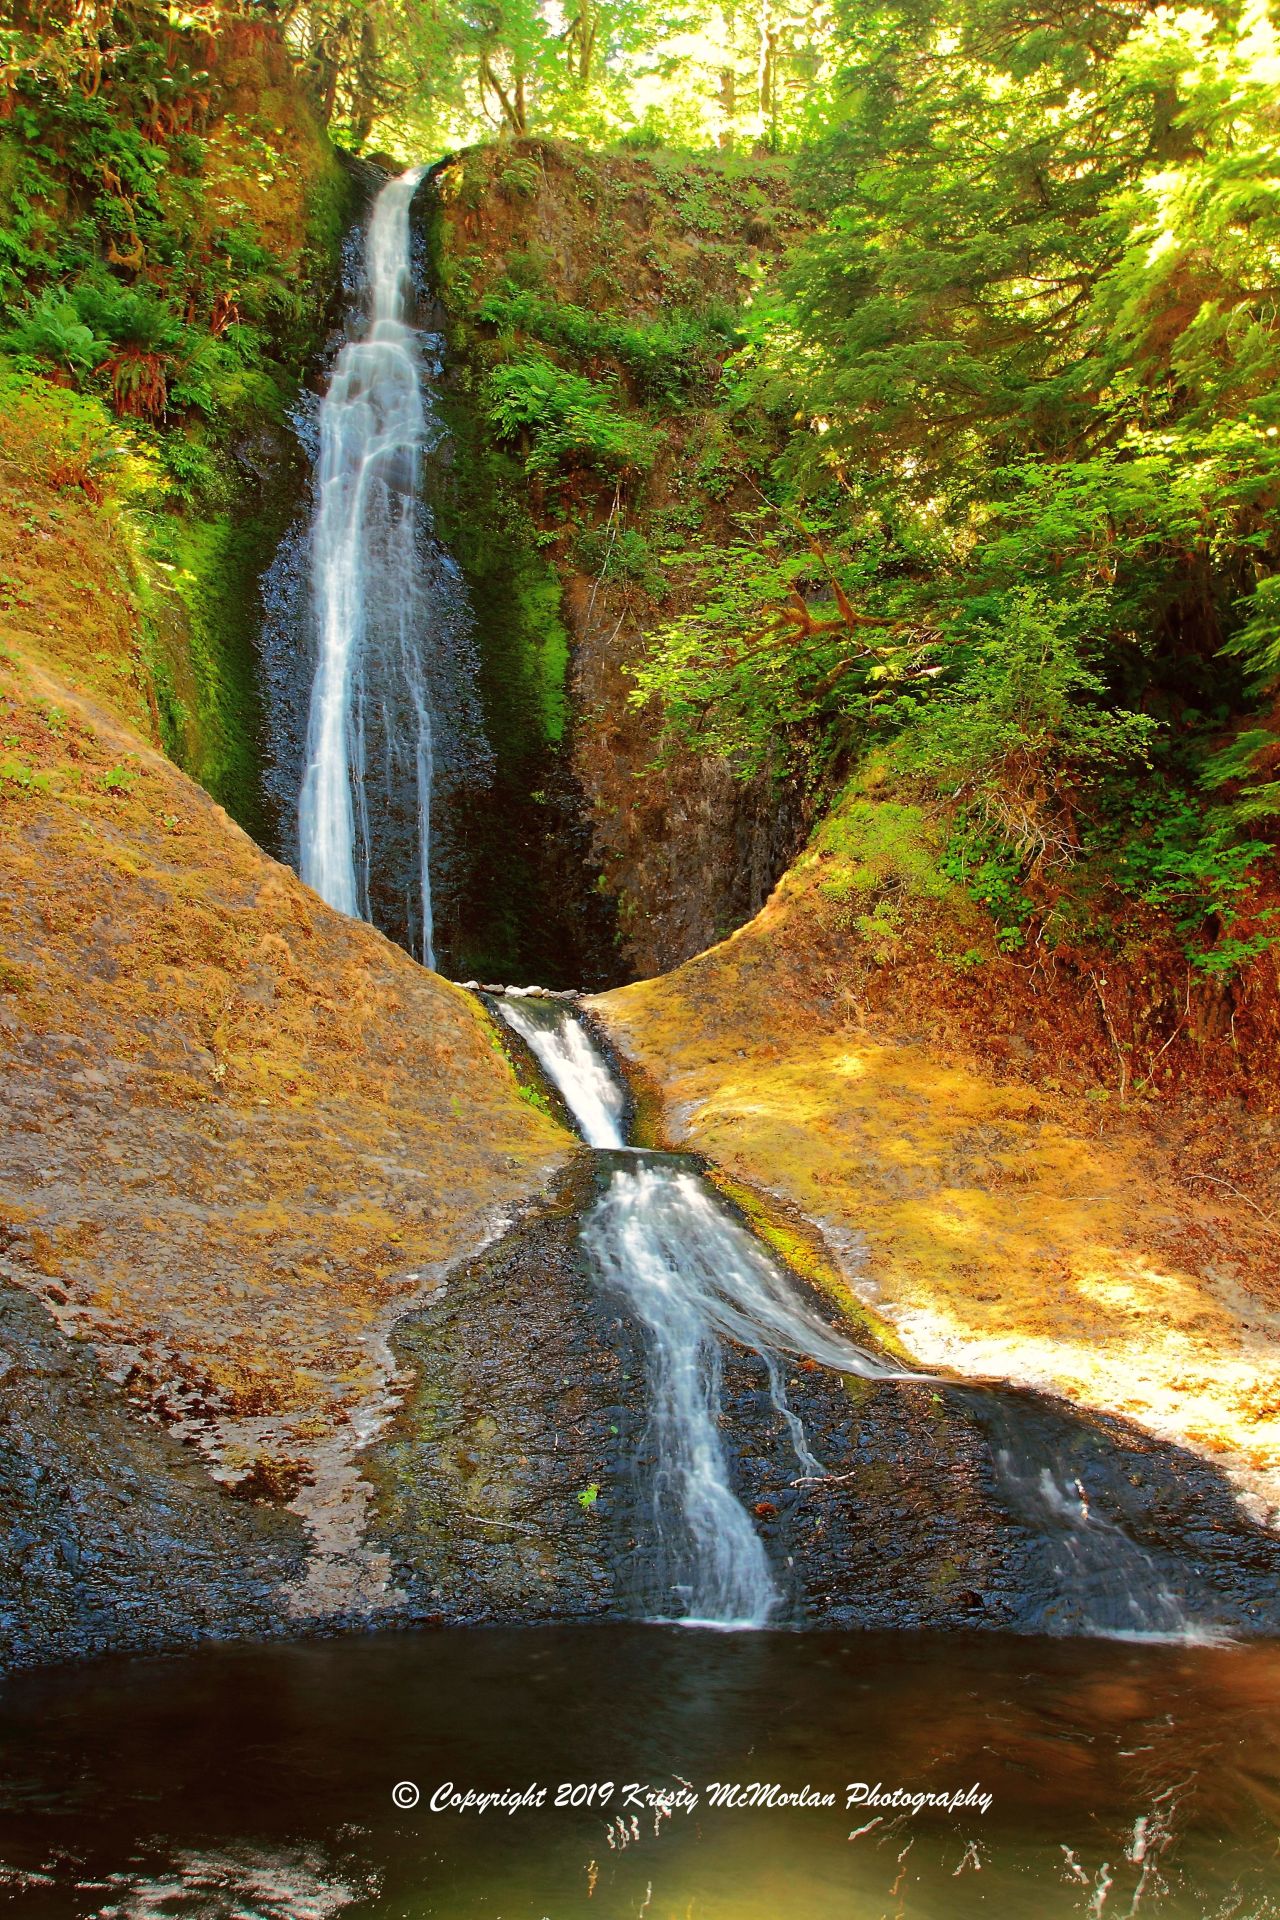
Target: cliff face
(625, 274)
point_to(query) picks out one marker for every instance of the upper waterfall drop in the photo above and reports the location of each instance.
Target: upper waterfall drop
(366, 583)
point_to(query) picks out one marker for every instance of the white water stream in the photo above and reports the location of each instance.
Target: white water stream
(573, 1064)
(693, 1276)
(365, 578)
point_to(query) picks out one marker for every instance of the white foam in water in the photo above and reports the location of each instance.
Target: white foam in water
(692, 1274)
(365, 570)
(573, 1064)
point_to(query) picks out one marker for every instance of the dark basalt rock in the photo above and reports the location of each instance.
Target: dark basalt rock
(115, 1537)
(503, 1486)
(940, 1507)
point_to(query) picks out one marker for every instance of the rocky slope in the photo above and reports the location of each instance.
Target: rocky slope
(244, 1134)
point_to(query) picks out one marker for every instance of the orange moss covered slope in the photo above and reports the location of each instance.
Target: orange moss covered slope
(244, 1132)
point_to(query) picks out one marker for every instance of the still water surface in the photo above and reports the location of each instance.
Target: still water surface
(256, 1784)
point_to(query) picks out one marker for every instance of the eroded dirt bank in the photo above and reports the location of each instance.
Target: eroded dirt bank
(1014, 1220)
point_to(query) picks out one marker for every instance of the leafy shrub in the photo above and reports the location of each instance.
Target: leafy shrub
(53, 331)
(618, 553)
(1198, 866)
(567, 419)
(520, 178)
(1019, 728)
(991, 871)
(665, 357)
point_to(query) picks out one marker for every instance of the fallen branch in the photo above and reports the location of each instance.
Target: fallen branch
(485, 1520)
(1124, 1065)
(1216, 1180)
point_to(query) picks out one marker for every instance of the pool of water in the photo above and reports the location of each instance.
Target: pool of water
(258, 1782)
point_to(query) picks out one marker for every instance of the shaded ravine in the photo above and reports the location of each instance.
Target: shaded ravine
(706, 1295)
(408, 770)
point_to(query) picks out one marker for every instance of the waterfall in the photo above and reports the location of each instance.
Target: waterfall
(693, 1276)
(370, 685)
(705, 1560)
(573, 1064)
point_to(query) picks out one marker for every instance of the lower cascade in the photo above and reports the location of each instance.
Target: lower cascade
(698, 1283)
(692, 1276)
(573, 1064)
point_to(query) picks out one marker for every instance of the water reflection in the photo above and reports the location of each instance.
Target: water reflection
(253, 1784)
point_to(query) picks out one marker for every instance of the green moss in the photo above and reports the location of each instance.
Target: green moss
(944, 1575)
(799, 1245)
(479, 497)
(14, 979)
(867, 846)
(213, 566)
(537, 614)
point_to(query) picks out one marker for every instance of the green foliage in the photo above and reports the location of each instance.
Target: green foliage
(1022, 533)
(991, 871)
(1201, 868)
(52, 331)
(665, 357)
(565, 420)
(618, 553)
(138, 279)
(1017, 728)
(870, 845)
(520, 178)
(121, 265)
(20, 774)
(761, 666)
(534, 1097)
